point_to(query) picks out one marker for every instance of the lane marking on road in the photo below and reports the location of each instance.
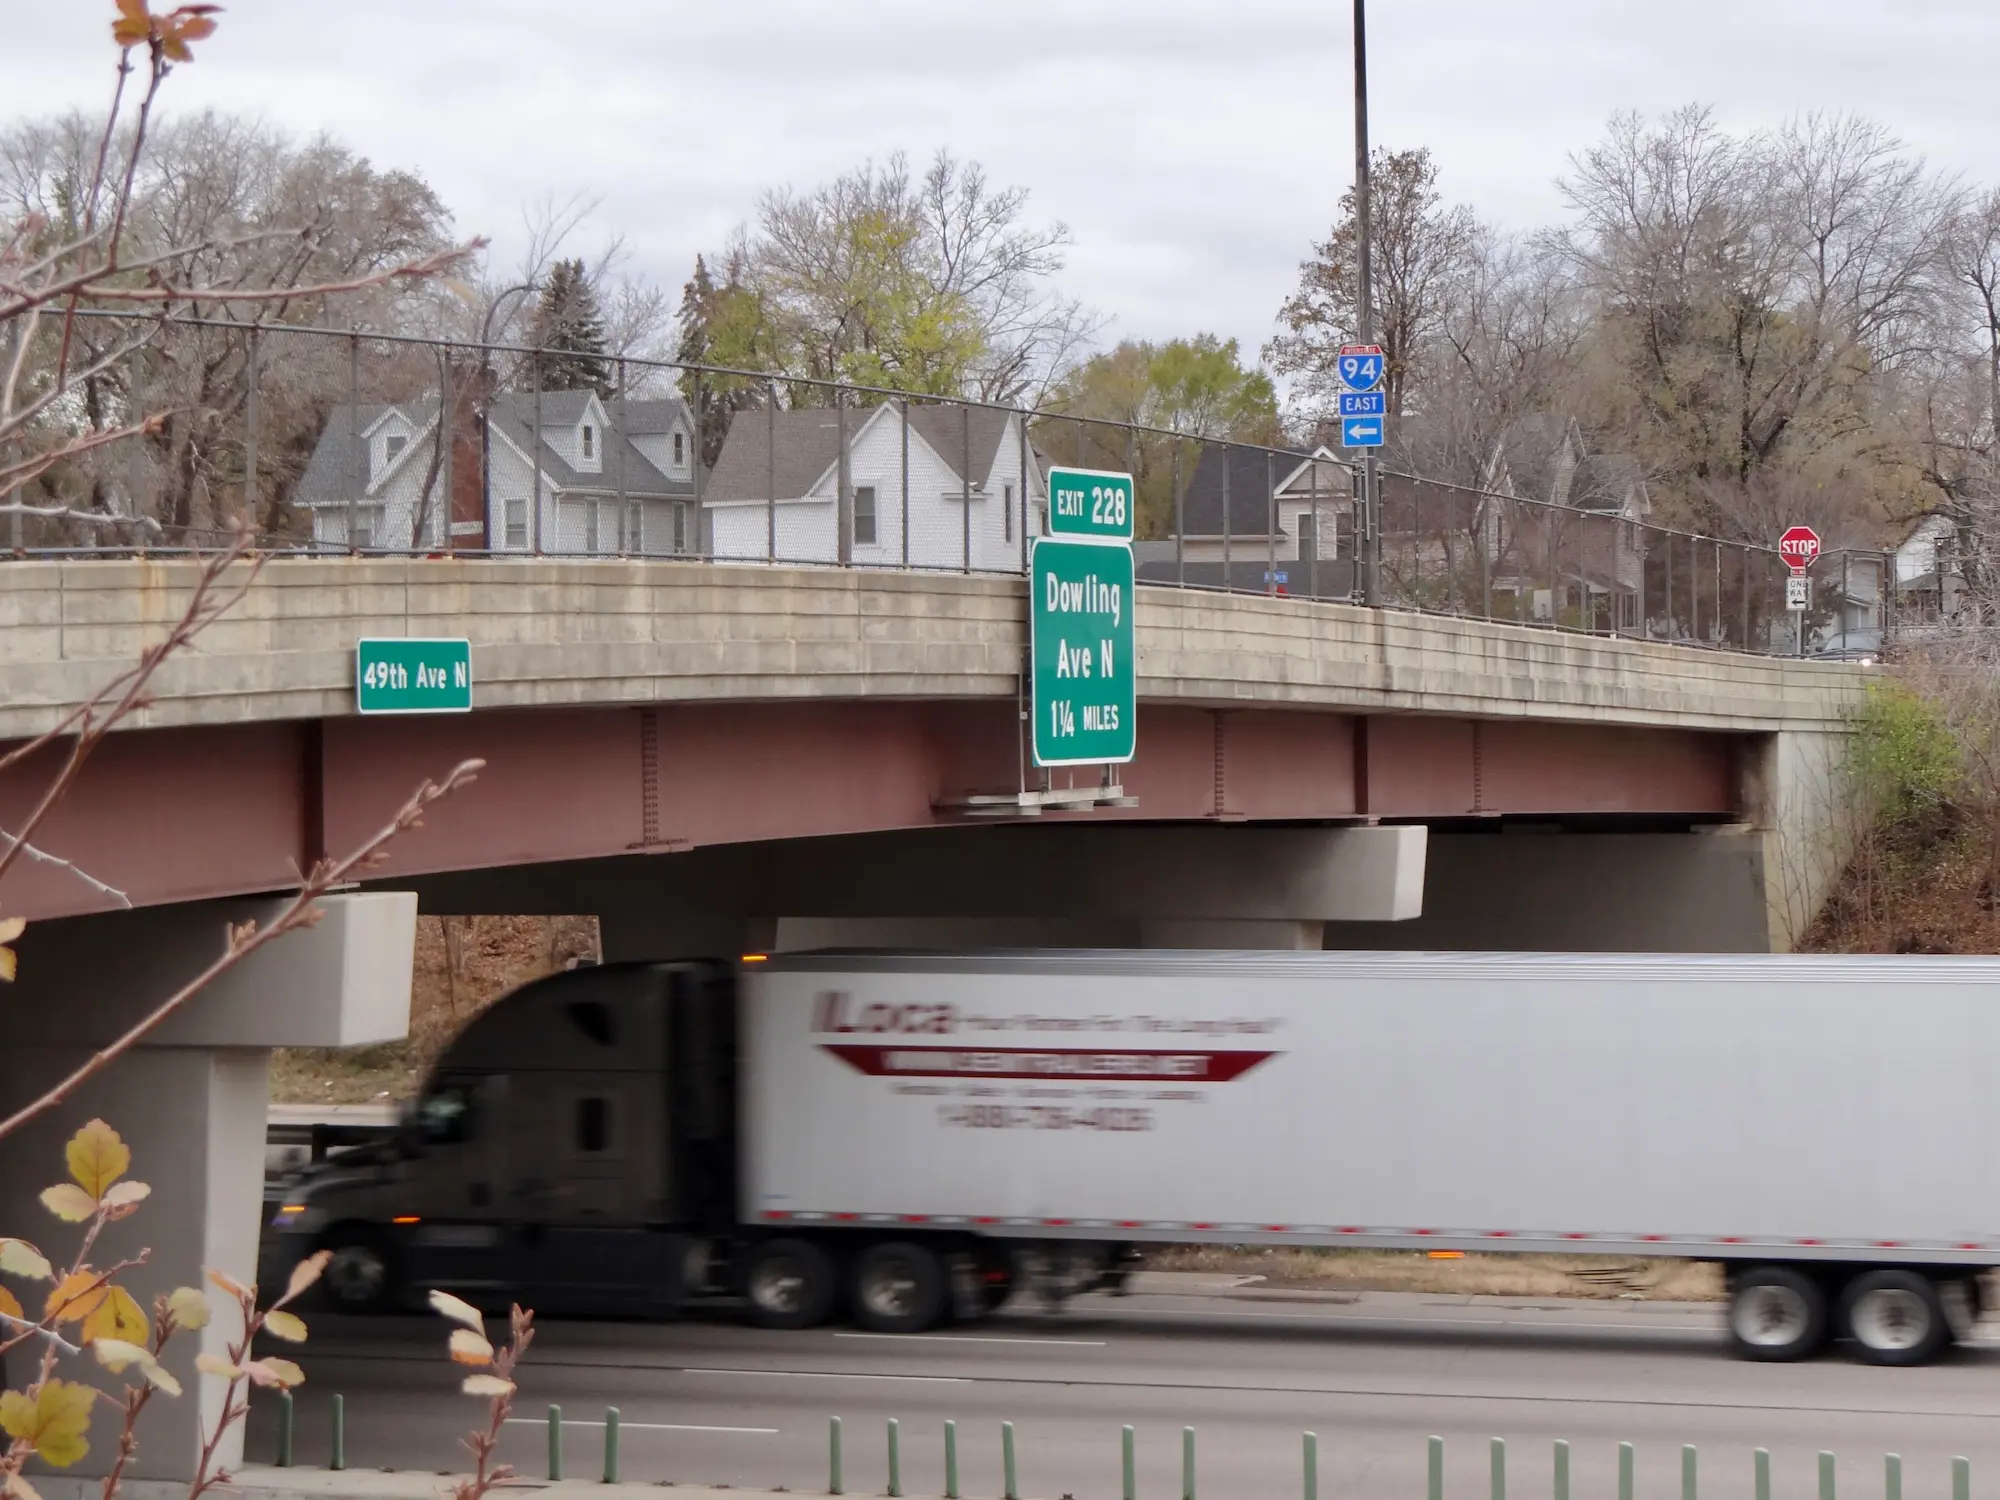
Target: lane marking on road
(836, 1375)
(969, 1338)
(624, 1426)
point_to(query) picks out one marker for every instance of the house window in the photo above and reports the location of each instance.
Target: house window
(680, 449)
(864, 515)
(391, 446)
(1007, 512)
(589, 522)
(367, 526)
(517, 524)
(589, 441)
(635, 526)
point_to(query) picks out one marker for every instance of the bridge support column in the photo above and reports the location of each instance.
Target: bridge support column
(190, 1103)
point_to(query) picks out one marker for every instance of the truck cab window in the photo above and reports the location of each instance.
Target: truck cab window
(593, 1019)
(448, 1114)
(593, 1125)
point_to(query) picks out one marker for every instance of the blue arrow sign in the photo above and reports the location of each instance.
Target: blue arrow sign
(1359, 372)
(1364, 403)
(1361, 432)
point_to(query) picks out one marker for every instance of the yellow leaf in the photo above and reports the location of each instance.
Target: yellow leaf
(19, 1258)
(469, 1348)
(75, 1297)
(287, 1326)
(280, 1372)
(487, 1385)
(215, 1364)
(54, 1422)
(118, 1316)
(123, 1194)
(116, 1355)
(305, 1273)
(97, 1158)
(11, 1305)
(9, 965)
(225, 1283)
(11, 928)
(458, 1311)
(188, 1307)
(68, 1202)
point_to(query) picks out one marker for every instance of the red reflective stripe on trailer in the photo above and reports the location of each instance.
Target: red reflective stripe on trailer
(1201, 1226)
(916, 1218)
(776, 1213)
(986, 1219)
(1057, 1223)
(1652, 1239)
(1277, 1229)
(1888, 1244)
(1968, 1247)
(1575, 1235)
(846, 1218)
(1499, 1234)
(1351, 1229)
(1807, 1242)
(1130, 1224)
(1730, 1239)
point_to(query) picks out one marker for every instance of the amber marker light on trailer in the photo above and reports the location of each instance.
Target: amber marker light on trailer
(756, 958)
(407, 1219)
(1446, 1254)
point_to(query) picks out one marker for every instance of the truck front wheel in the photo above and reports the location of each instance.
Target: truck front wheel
(1895, 1317)
(1777, 1314)
(899, 1287)
(789, 1284)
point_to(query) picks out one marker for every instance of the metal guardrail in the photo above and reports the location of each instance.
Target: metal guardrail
(375, 443)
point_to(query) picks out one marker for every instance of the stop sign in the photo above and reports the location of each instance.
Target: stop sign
(1798, 547)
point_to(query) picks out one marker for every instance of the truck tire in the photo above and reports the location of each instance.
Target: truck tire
(1894, 1317)
(362, 1275)
(899, 1287)
(1777, 1314)
(789, 1284)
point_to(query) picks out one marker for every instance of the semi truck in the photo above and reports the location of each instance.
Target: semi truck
(908, 1139)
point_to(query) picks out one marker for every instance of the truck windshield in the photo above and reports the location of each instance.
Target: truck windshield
(449, 1112)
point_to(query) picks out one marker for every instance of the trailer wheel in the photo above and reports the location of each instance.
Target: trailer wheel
(899, 1287)
(1777, 1314)
(362, 1274)
(1895, 1317)
(789, 1284)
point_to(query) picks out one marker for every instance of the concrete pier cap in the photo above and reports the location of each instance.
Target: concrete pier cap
(190, 1101)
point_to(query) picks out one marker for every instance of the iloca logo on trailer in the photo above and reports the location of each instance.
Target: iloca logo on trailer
(833, 1010)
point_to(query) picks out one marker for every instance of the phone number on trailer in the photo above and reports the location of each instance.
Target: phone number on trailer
(1042, 1117)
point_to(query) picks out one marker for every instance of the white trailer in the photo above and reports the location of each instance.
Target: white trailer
(906, 1137)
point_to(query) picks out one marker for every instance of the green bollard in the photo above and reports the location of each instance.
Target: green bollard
(1687, 1472)
(1825, 1476)
(895, 1459)
(1498, 1450)
(610, 1445)
(951, 1461)
(833, 1456)
(1624, 1471)
(1961, 1479)
(555, 1442)
(339, 1432)
(1763, 1471)
(1562, 1470)
(1007, 1473)
(1187, 1463)
(1435, 1490)
(1312, 1467)
(1131, 1489)
(1892, 1476)
(284, 1429)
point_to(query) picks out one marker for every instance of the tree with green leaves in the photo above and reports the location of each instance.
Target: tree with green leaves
(568, 330)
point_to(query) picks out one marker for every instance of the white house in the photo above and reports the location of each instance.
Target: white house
(956, 488)
(612, 476)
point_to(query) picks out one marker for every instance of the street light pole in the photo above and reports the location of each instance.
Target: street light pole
(1370, 507)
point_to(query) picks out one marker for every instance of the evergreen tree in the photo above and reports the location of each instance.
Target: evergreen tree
(569, 330)
(724, 323)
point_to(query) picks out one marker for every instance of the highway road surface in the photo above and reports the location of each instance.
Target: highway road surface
(714, 1403)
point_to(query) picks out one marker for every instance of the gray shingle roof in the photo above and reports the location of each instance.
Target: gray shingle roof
(1250, 479)
(808, 443)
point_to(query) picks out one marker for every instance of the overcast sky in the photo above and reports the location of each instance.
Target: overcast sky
(1195, 149)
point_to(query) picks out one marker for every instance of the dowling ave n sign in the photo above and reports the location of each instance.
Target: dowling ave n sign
(1085, 700)
(405, 676)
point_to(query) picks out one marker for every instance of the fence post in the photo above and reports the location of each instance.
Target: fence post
(284, 1429)
(252, 421)
(951, 1461)
(535, 463)
(1624, 1471)
(1180, 517)
(339, 1456)
(833, 1456)
(1961, 1479)
(1008, 1474)
(1434, 1490)
(555, 1441)
(771, 471)
(1312, 1467)
(965, 487)
(691, 533)
(610, 1445)
(1497, 1449)
(1562, 1470)
(1130, 1490)
(1187, 1464)
(1228, 562)
(895, 1458)
(1688, 1475)
(1892, 1477)
(1762, 1465)
(1826, 1486)
(903, 415)
(357, 461)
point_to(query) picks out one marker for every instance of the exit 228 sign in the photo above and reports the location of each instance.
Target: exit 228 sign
(1090, 503)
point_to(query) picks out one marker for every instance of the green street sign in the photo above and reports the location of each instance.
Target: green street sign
(413, 677)
(1085, 674)
(1090, 503)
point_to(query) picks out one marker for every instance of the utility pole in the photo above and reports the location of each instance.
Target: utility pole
(1369, 502)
